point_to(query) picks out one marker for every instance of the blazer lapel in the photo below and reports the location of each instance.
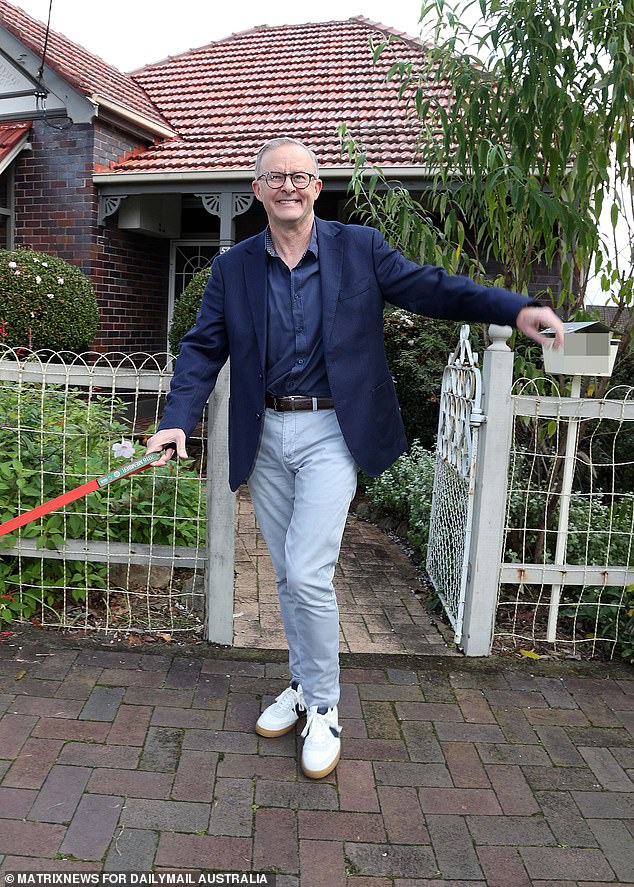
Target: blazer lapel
(255, 284)
(330, 269)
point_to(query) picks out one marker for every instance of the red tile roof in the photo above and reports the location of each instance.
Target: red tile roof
(88, 73)
(228, 97)
(11, 134)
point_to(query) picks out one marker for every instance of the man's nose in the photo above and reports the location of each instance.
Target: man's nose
(288, 182)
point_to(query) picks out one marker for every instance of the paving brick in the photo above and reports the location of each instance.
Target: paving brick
(561, 751)
(187, 718)
(597, 712)
(374, 749)
(524, 755)
(436, 687)
(356, 786)
(606, 769)
(30, 768)
(449, 732)
(60, 794)
(349, 702)
(23, 838)
(132, 849)
(130, 783)
(196, 852)
(195, 776)
(511, 830)
(605, 805)
(89, 754)
(40, 864)
(562, 779)
(296, 795)
(46, 707)
(158, 815)
(565, 820)
(250, 766)
(30, 686)
(596, 736)
(183, 673)
(241, 713)
(108, 659)
(474, 707)
(211, 692)
(391, 860)
(354, 727)
(125, 677)
(369, 882)
(130, 725)
(555, 693)
(5, 701)
(478, 680)
(381, 722)
(344, 826)
(161, 750)
(421, 742)
(14, 731)
(527, 699)
(401, 676)
(428, 711)
(143, 696)
(465, 768)
(432, 775)
(62, 728)
(231, 811)
(512, 790)
(56, 666)
(92, 826)
(322, 864)
(617, 843)
(382, 692)
(225, 741)
(565, 863)
(453, 847)
(558, 717)
(402, 815)
(231, 667)
(503, 867)
(15, 803)
(103, 703)
(275, 840)
(459, 801)
(79, 682)
(515, 726)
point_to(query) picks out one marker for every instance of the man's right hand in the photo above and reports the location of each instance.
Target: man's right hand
(160, 441)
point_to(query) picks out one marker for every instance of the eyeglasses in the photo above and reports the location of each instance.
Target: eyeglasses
(275, 180)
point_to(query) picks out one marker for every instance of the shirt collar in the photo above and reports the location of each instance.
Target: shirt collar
(312, 246)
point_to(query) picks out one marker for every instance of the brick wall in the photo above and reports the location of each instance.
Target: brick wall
(56, 212)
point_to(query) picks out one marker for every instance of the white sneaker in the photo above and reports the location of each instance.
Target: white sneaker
(322, 745)
(282, 715)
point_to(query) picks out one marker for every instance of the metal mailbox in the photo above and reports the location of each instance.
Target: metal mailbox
(589, 349)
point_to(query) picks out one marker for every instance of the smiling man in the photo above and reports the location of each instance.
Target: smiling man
(299, 310)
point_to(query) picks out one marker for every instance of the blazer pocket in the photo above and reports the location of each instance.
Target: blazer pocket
(359, 288)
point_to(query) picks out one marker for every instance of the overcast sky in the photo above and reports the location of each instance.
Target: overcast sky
(129, 35)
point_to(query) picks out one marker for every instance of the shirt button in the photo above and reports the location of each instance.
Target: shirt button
(300, 361)
(258, 416)
(260, 376)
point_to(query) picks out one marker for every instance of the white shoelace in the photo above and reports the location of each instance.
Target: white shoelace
(288, 698)
(318, 726)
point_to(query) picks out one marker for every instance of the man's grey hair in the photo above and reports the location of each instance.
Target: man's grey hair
(278, 143)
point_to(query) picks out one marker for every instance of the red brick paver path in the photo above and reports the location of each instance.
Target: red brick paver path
(453, 772)
(378, 592)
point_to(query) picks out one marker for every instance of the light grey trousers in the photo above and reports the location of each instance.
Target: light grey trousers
(301, 486)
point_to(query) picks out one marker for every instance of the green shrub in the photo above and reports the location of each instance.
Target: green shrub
(417, 349)
(404, 492)
(46, 303)
(65, 440)
(187, 308)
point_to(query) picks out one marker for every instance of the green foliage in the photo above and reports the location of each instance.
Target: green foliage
(46, 303)
(64, 440)
(404, 492)
(606, 614)
(187, 308)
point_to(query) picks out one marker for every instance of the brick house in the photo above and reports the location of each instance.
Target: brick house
(141, 178)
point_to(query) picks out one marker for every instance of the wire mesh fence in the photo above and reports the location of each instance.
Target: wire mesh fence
(568, 572)
(128, 557)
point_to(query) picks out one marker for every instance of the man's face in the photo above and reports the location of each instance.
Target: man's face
(287, 206)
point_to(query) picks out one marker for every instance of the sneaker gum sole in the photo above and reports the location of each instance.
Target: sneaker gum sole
(271, 734)
(319, 774)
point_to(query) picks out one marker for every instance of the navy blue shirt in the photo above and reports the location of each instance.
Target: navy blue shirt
(295, 362)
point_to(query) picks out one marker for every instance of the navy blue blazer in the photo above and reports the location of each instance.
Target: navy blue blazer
(359, 273)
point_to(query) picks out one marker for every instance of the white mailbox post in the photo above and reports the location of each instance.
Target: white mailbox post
(589, 349)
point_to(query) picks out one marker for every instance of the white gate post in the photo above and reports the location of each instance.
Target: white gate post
(489, 508)
(221, 505)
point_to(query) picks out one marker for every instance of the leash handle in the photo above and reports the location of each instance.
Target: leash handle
(130, 468)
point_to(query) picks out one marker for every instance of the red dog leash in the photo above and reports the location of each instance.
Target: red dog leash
(92, 485)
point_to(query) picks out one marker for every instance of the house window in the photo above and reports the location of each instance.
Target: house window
(7, 209)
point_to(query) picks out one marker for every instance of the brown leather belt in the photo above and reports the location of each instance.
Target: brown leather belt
(298, 402)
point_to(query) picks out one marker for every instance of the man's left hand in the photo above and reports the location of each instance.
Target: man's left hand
(533, 318)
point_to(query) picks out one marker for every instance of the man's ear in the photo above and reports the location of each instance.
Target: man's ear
(255, 185)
